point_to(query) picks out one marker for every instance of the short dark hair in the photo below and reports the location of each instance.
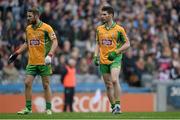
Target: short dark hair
(34, 10)
(109, 9)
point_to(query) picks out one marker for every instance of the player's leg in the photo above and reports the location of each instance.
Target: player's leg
(28, 95)
(47, 92)
(105, 72)
(116, 86)
(115, 71)
(28, 90)
(31, 72)
(45, 72)
(109, 89)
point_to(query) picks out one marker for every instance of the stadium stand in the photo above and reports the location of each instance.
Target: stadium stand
(152, 27)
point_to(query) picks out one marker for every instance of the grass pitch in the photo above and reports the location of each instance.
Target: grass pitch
(95, 116)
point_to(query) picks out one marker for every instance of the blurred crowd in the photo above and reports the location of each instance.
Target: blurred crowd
(152, 26)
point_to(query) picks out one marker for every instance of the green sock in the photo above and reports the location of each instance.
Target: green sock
(117, 102)
(112, 105)
(48, 105)
(28, 104)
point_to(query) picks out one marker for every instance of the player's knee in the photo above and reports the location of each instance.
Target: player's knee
(45, 85)
(109, 85)
(114, 80)
(27, 84)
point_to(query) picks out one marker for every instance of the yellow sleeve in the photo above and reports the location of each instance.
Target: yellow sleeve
(123, 33)
(51, 33)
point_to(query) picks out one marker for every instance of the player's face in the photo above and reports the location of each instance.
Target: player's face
(105, 17)
(31, 18)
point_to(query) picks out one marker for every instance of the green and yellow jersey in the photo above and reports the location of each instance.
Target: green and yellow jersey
(39, 40)
(109, 39)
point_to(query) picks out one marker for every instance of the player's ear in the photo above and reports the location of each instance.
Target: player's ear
(111, 15)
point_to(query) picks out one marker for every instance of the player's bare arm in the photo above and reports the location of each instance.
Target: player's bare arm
(22, 48)
(53, 48)
(14, 55)
(54, 43)
(96, 49)
(96, 52)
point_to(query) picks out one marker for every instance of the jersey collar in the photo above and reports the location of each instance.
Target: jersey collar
(108, 28)
(38, 25)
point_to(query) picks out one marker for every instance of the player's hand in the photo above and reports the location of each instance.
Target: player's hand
(112, 56)
(95, 60)
(12, 57)
(48, 59)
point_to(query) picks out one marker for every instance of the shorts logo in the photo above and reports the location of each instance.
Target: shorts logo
(35, 42)
(107, 42)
